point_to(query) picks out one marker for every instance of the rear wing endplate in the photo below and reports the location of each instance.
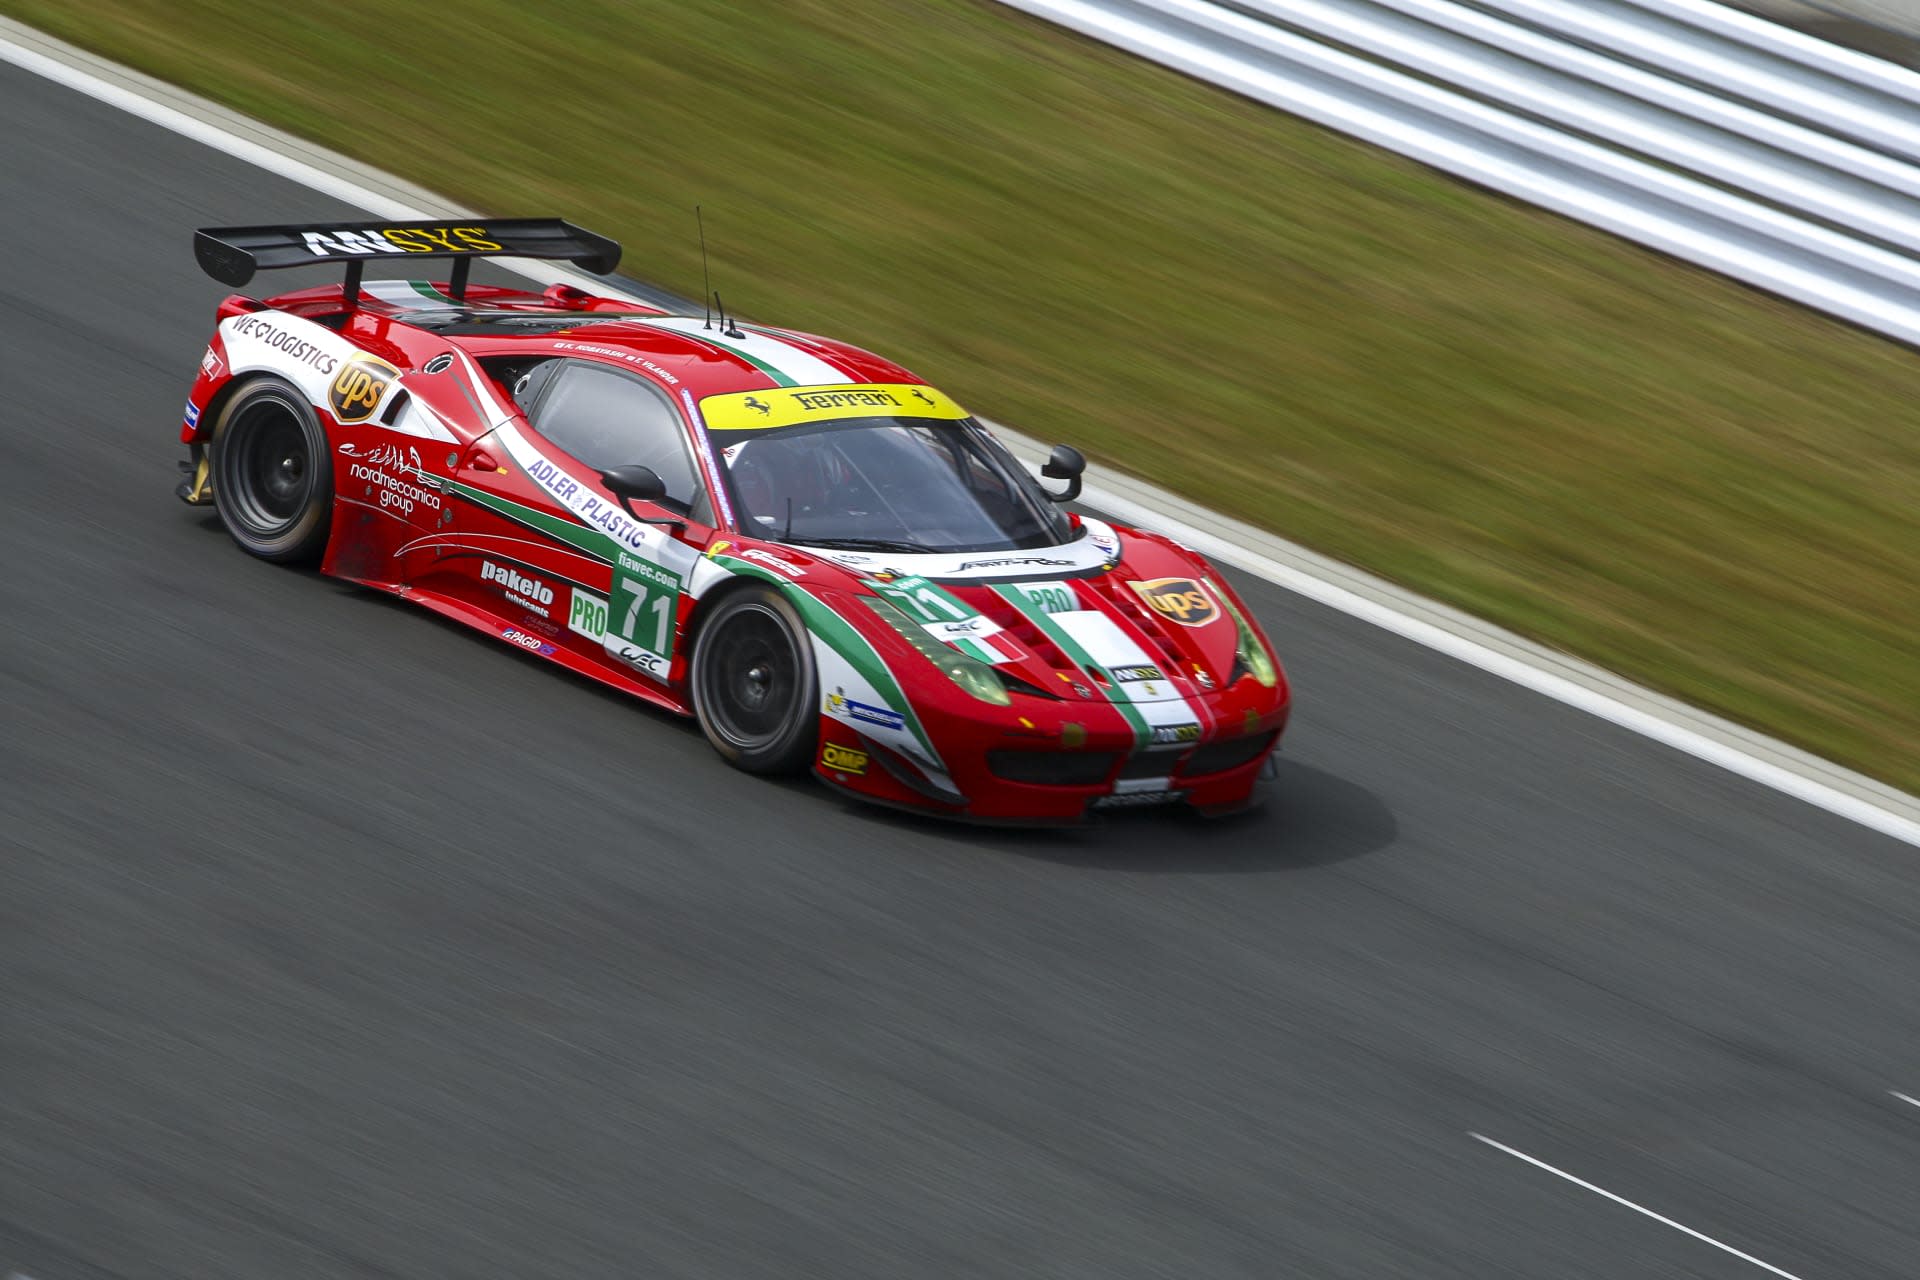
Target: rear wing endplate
(232, 254)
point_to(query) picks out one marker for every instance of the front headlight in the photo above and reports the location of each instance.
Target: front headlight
(1251, 656)
(971, 674)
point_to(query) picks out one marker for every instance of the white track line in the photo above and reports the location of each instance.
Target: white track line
(1578, 684)
(1912, 1102)
(1602, 1191)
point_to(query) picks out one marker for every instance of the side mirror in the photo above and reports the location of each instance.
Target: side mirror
(1064, 463)
(637, 483)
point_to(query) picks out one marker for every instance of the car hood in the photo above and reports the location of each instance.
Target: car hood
(1114, 616)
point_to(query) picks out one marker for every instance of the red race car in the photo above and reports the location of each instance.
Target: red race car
(827, 561)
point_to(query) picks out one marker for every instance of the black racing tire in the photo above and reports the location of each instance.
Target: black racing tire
(753, 682)
(272, 473)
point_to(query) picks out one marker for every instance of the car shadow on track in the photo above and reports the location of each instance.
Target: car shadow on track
(1311, 818)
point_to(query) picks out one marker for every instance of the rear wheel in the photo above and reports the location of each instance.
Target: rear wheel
(754, 686)
(272, 478)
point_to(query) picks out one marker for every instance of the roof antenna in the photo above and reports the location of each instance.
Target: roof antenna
(706, 278)
(728, 329)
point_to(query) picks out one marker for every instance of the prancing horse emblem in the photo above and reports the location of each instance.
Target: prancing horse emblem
(755, 405)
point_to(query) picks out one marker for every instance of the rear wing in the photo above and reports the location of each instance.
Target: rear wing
(232, 254)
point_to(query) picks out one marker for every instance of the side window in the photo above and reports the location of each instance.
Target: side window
(607, 419)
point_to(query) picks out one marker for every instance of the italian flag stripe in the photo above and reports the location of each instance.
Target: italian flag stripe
(426, 290)
(1039, 617)
(786, 364)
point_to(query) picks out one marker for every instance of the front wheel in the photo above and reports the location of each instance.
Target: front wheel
(754, 686)
(272, 476)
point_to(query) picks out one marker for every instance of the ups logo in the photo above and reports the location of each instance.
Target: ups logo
(1184, 600)
(843, 759)
(356, 391)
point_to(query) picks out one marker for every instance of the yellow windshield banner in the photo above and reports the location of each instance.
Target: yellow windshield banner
(794, 406)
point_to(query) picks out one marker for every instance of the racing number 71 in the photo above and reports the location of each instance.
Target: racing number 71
(642, 608)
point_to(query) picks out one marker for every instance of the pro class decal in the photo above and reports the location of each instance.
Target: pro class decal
(1181, 600)
(356, 390)
(588, 615)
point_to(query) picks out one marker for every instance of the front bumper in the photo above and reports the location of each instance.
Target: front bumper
(1061, 763)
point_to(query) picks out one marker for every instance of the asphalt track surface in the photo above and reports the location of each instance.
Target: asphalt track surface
(338, 941)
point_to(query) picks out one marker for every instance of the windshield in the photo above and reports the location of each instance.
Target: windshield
(886, 484)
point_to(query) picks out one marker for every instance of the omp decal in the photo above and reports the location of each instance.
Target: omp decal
(842, 759)
(192, 416)
(792, 406)
(1182, 600)
(783, 362)
(356, 390)
(396, 240)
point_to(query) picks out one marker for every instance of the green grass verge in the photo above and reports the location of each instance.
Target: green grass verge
(1702, 488)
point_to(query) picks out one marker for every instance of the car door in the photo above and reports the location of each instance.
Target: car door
(599, 418)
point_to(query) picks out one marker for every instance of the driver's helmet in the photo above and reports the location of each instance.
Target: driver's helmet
(806, 469)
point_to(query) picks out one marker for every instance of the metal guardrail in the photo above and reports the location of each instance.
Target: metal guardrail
(1711, 135)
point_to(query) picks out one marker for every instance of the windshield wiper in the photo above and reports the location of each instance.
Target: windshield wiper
(862, 544)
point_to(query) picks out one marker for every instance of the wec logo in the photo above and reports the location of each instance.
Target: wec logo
(356, 392)
(1180, 599)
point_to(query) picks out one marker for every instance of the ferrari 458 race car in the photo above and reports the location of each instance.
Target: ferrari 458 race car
(827, 561)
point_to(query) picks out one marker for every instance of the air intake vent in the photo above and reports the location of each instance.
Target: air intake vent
(1053, 768)
(1218, 757)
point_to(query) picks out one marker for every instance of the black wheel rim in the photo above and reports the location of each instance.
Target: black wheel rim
(268, 472)
(750, 677)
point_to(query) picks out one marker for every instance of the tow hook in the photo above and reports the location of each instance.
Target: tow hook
(197, 489)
